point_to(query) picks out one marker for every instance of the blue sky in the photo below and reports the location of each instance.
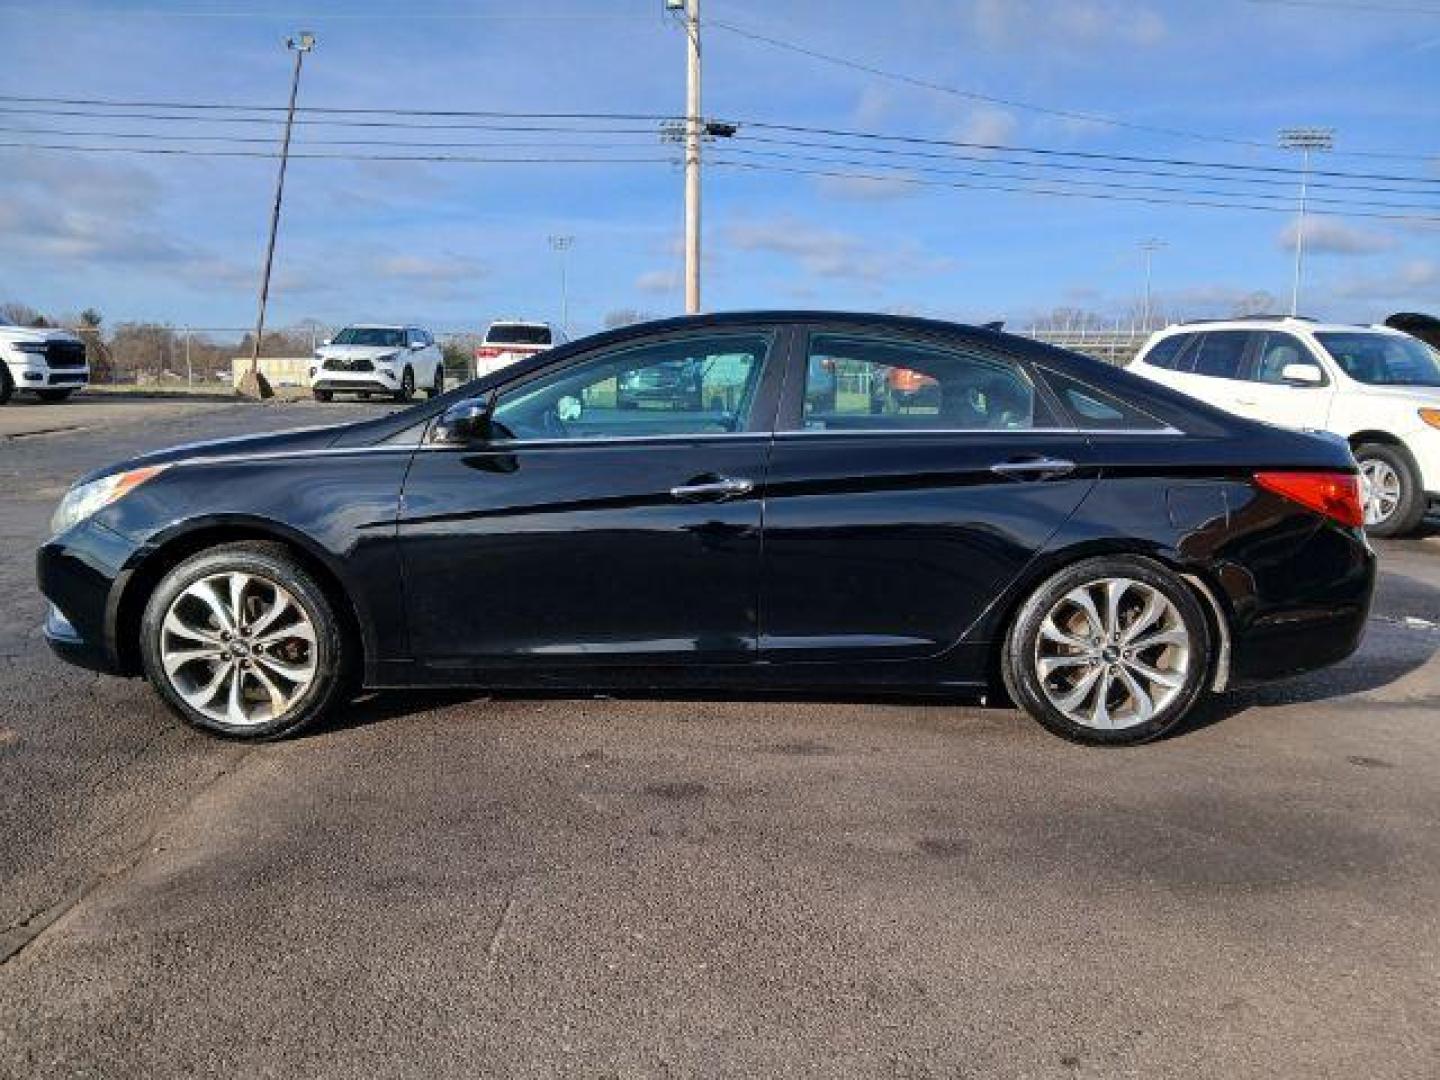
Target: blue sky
(453, 245)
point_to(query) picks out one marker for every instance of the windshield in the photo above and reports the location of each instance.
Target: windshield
(1383, 359)
(518, 334)
(370, 335)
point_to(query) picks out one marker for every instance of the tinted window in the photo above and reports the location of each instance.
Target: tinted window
(1221, 353)
(1166, 351)
(858, 383)
(1383, 359)
(1274, 354)
(517, 334)
(689, 386)
(1097, 410)
(382, 337)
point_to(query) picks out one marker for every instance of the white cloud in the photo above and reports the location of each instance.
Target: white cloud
(830, 253)
(865, 188)
(1326, 236)
(987, 124)
(658, 281)
(1026, 23)
(1414, 280)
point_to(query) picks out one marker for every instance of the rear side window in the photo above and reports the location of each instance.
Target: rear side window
(1166, 351)
(518, 334)
(1097, 410)
(855, 383)
(1221, 354)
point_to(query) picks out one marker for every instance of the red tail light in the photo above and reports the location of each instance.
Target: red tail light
(487, 352)
(1334, 494)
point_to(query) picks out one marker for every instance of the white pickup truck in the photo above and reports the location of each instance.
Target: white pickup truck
(48, 363)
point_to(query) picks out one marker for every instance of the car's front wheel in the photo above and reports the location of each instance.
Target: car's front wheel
(1111, 651)
(240, 640)
(407, 385)
(324, 395)
(7, 388)
(1390, 484)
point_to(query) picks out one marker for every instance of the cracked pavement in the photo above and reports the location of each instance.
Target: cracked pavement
(449, 885)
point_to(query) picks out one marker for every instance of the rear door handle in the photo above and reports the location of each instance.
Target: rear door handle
(1245, 401)
(1034, 468)
(712, 490)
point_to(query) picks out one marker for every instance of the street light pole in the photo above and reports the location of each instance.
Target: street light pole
(1306, 140)
(252, 385)
(561, 245)
(1149, 247)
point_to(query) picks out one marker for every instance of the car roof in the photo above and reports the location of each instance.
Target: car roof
(1275, 322)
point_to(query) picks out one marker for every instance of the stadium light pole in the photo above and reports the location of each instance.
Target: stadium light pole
(252, 385)
(1307, 140)
(561, 246)
(1149, 247)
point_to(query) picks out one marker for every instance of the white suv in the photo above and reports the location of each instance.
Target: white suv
(47, 363)
(508, 341)
(376, 359)
(1377, 387)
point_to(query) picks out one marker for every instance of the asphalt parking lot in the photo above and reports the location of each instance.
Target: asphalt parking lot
(454, 885)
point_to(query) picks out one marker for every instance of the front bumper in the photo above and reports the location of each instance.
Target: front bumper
(43, 377)
(1424, 447)
(367, 385)
(82, 572)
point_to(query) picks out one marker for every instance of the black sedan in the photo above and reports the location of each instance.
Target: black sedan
(1103, 549)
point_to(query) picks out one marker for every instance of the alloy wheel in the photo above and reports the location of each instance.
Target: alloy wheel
(1112, 653)
(238, 648)
(1381, 490)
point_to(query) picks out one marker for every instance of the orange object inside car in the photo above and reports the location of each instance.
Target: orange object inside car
(907, 381)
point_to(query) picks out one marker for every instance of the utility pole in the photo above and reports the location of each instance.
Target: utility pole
(1149, 246)
(694, 132)
(561, 245)
(1306, 140)
(252, 385)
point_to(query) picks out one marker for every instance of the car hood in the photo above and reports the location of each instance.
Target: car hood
(367, 351)
(34, 333)
(295, 440)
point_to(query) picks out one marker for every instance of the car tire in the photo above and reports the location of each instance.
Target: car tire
(438, 387)
(1063, 664)
(324, 395)
(407, 385)
(54, 395)
(7, 388)
(1391, 489)
(301, 661)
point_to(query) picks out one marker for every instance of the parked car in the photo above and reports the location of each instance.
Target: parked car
(1111, 548)
(48, 363)
(378, 359)
(1374, 386)
(508, 341)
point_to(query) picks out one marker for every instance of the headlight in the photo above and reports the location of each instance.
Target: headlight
(81, 502)
(1431, 417)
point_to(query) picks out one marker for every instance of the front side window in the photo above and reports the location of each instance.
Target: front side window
(859, 383)
(1278, 351)
(1383, 359)
(687, 386)
(380, 337)
(1221, 353)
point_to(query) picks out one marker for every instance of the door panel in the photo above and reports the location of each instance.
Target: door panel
(892, 546)
(593, 527)
(1266, 396)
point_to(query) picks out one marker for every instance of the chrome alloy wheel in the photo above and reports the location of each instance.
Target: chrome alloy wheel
(1112, 653)
(238, 648)
(1380, 489)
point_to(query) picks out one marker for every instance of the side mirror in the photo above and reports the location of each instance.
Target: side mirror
(464, 424)
(1303, 374)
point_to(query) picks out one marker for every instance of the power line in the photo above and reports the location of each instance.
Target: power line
(335, 109)
(179, 13)
(188, 152)
(1015, 103)
(1049, 191)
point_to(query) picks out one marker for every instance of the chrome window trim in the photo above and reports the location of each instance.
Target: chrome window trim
(1022, 432)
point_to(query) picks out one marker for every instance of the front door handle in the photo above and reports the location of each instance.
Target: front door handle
(716, 490)
(1033, 468)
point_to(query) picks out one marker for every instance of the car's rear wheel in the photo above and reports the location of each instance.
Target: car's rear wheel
(54, 395)
(438, 387)
(407, 386)
(324, 395)
(240, 640)
(1390, 486)
(1112, 651)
